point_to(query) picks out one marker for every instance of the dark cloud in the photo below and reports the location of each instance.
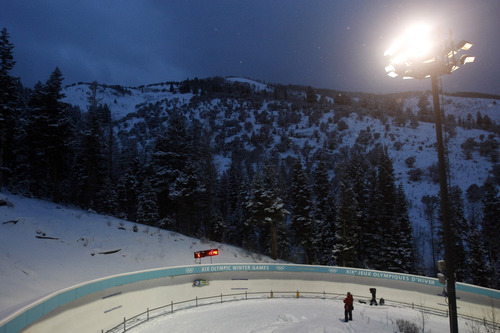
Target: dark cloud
(325, 43)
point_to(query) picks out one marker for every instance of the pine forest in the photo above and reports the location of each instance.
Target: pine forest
(303, 174)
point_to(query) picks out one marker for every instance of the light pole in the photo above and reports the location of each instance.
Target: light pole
(420, 55)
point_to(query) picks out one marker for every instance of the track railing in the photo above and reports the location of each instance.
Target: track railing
(167, 309)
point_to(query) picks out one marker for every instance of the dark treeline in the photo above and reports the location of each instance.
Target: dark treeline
(263, 169)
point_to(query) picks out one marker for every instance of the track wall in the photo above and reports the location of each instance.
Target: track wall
(99, 305)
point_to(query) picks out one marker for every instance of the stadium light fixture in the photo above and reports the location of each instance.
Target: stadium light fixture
(420, 54)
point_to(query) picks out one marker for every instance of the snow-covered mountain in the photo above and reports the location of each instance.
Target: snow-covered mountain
(45, 247)
(233, 121)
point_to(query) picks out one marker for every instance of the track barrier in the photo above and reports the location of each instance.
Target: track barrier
(100, 305)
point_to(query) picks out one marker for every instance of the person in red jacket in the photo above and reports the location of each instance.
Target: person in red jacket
(348, 307)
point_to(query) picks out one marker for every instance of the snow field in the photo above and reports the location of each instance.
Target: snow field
(32, 267)
(294, 315)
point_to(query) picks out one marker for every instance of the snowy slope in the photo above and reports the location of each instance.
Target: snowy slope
(297, 315)
(120, 103)
(46, 247)
(256, 85)
(402, 142)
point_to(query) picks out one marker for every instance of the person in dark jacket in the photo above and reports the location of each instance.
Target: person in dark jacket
(373, 301)
(348, 307)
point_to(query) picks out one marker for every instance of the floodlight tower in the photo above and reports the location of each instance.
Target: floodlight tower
(420, 54)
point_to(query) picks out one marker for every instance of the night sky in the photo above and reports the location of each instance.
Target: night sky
(335, 44)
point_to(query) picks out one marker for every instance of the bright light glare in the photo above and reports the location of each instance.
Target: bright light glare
(419, 52)
(418, 40)
(414, 45)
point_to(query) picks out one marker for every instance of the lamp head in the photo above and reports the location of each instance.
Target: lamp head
(418, 53)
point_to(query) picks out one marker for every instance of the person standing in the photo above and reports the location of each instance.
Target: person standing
(348, 307)
(373, 301)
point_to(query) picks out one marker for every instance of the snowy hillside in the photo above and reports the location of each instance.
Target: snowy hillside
(247, 124)
(121, 101)
(402, 141)
(46, 247)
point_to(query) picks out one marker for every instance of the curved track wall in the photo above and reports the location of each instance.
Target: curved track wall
(98, 305)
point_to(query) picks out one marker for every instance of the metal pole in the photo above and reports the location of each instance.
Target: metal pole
(447, 235)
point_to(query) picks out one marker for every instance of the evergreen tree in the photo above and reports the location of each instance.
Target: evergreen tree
(91, 161)
(479, 267)
(431, 206)
(404, 255)
(9, 112)
(424, 111)
(219, 226)
(147, 206)
(234, 189)
(108, 195)
(59, 134)
(322, 192)
(266, 211)
(303, 224)
(384, 219)
(369, 226)
(346, 243)
(187, 191)
(357, 172)
(283, 238)
(311, 96)
(128, 190)
(474, 195)
(185, 176)
(222, 201)
(491, 228)
(204, 181)
(34, 127)
(169, 162)
(460, 230)
(324, 214)
(49, 135)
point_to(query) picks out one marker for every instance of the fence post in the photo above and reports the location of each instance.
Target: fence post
(196, 301)
(124, 325)
(221, 298)
(324, 294)
(148, 314)
(272, 295)
(172, 306)
(246, 294)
